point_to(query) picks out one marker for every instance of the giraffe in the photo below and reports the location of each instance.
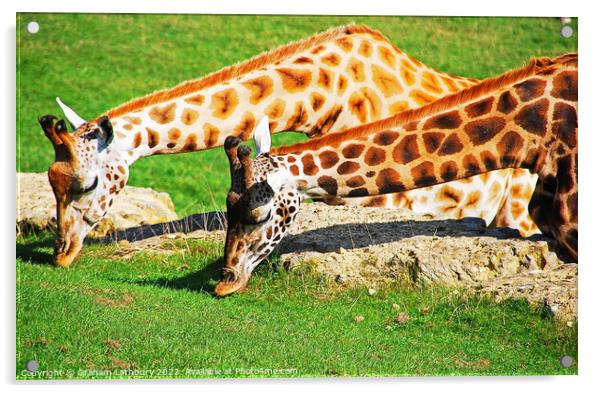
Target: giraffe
(344, 77)
(525, 118)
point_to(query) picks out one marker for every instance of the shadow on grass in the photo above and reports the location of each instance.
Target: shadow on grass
(30, 252)
(210, 221)
(203, 280)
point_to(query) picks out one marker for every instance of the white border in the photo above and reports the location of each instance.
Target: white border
(590, 143)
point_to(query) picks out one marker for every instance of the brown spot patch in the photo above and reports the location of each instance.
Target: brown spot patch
(325, 78)
(424, 174)
(195, 100)
(328, 184)
(509, 147)
(472, 199)
(358, 192)
(303, 60)
(374, 156)
(190, 144)
(565, 86)
(153, 137)
(348, 167)
(309, 166)
(471, 165)
(483, 130)
(432, 140)
(449, 170)
(317, 49)
(260, 88)
(328, 159)
(298, 118)
(355, 181)
(224, 102)
(480, 108)
(326, 121)
(353, 150)
(407, 150)
(174, 134)
(358, 107)
(127, 127)
(385, 138)
(210, 135)
(389, 180)
(421, 98)
(516, 209)
(345, 43)
(244, 129)
(331, 59)
(530, 89)
(275, 109)
(450, 84)
(294, 170)
(316, 100)
(565, 123)
(365, 48)
(341, 85)
(377, 201)
(444, 121)
(293, 80)
(163, 115)
(451, 145)
(356, 69)
(490, 161)
(373, 102)
(133, 120)
(450, 196)
(189, 116)
(506, 103)
(386, 82)
(406, 63)
(533, 118)
(430, 82)
(137, 140)
(398, 106)
(408, 76)
(386, 56)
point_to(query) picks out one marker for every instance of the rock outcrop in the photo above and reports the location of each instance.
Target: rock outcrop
(371, 245)
(36, 207)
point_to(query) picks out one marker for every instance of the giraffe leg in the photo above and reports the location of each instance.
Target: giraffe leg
(514, 210)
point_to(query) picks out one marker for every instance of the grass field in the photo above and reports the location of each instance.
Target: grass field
(155, 311)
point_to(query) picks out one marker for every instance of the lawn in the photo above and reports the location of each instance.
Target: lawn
(154, 311)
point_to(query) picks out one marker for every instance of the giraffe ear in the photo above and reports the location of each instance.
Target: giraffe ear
(262, 136)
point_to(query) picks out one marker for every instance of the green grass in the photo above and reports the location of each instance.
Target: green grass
(96, 62)
(155, 311)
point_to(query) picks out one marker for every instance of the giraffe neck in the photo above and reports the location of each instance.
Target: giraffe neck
(529, 121)
(332, 81)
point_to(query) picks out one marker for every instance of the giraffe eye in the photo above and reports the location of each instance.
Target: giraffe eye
(254, 220)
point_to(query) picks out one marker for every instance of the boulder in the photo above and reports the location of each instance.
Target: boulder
(369, 246)
(135, 206)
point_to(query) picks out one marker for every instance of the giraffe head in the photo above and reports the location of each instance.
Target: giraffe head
(262, 203)
(79, 179)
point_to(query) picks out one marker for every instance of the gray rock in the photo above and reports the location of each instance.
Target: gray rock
(135, 206)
